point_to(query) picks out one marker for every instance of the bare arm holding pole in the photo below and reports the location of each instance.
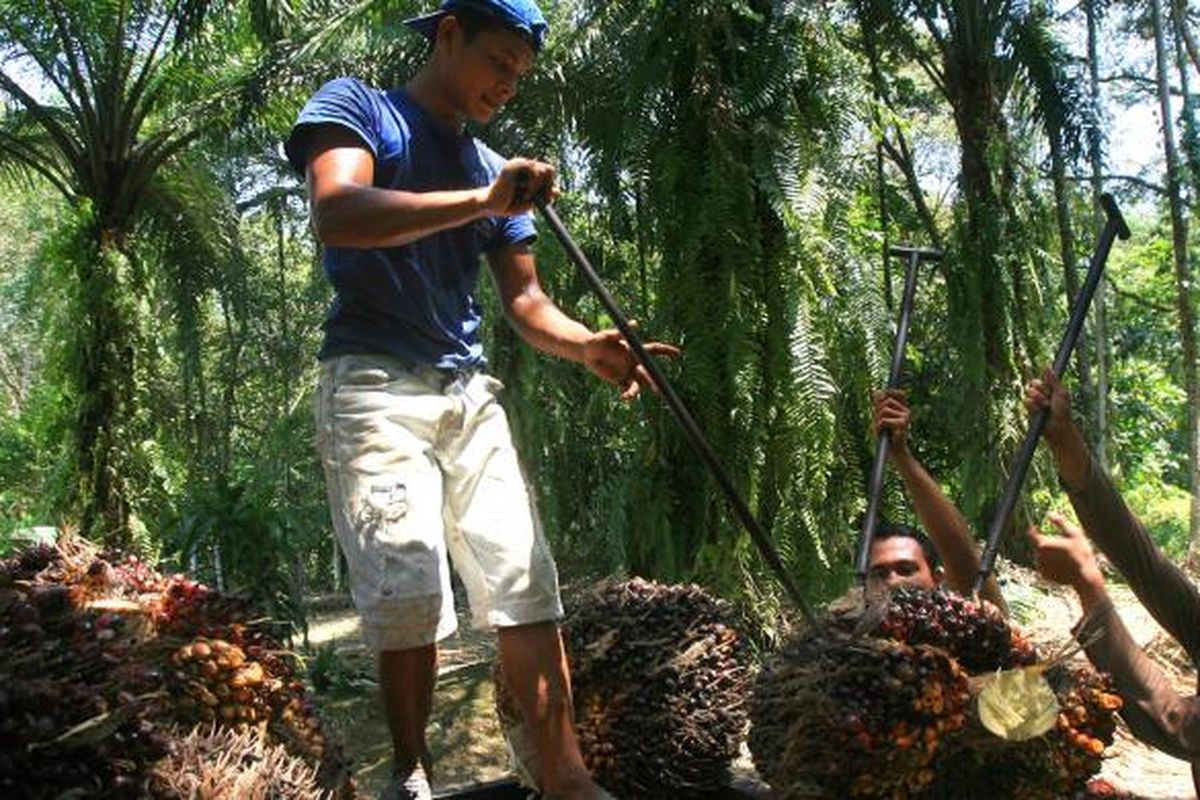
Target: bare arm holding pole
(941, 519)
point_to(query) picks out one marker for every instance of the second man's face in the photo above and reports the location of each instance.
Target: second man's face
(898, 561)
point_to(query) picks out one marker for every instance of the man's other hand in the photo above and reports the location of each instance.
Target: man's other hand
(1066, 557)
(610, 357)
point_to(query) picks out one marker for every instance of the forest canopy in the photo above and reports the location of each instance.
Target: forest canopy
(736, 171)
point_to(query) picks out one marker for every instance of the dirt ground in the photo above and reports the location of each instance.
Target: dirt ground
(464, 735)
(468, 746)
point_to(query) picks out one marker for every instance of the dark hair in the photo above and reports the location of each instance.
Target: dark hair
(475, 22)
(889, 530)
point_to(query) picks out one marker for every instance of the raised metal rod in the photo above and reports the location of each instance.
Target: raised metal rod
(740, 509)
(915, 256)
(1114, 226)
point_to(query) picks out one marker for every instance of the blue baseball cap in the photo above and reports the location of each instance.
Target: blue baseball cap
(522, 16)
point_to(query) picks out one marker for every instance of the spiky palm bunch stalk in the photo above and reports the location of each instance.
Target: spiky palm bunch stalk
(659, 675)
(224, 764)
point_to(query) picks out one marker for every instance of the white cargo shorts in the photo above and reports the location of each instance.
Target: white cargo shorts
(421, 470)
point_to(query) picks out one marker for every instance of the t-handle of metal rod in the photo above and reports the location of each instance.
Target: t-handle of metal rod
(915, 256)
(1114, 227)
(540, 199)
(741, 510)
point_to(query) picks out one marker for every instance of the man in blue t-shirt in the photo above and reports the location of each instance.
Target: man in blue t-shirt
(419, 462)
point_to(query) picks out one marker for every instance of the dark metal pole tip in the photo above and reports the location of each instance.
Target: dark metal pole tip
(1109, 204)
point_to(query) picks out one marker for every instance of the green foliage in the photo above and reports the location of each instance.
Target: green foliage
(240, 532)
(124, 89)
(329, 671)
(1149, 405)
(720, 166)
(32, 409)
(701, 126)
(1163, 509)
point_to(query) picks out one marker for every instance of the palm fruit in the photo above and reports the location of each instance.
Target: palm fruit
(188, 608)
(975, 634)
(1100, 789)
(840, 715)
(1056, 765)
(102, 665)
(1085, 728)
(35, 559)
(659, 677)
(137, 576)
(246, 685)
(213, 681)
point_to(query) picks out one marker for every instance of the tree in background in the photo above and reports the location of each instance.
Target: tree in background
(982, 58)
(1093, 13)
(1184, 302)
(105, 100)
(702, 125)
(721, 161)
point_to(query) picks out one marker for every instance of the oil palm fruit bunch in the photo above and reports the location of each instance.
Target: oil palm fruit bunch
(659, 677)
(1073, 752)
(105, 665)
(242, 678)
(48, 748)
(803, 702)
(1059, 764)
(65, 716)
(1087, 720)
(974, 633)
(137, 576)
(212, 680)
(187, 608)
(840, 715)
(26, 564)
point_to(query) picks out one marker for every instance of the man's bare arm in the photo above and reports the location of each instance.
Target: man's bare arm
(348, 210)
(541, 323)
(940, 518)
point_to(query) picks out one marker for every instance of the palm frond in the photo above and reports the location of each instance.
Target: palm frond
(27, 149)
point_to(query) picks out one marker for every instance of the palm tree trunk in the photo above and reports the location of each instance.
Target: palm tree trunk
(1099, 302)
(975, 279)
(1183, 278)
(979, 124)
(1186, 38)
(105, 349)
(1191, 136)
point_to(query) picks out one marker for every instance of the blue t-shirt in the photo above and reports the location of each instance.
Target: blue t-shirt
(416, 302)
